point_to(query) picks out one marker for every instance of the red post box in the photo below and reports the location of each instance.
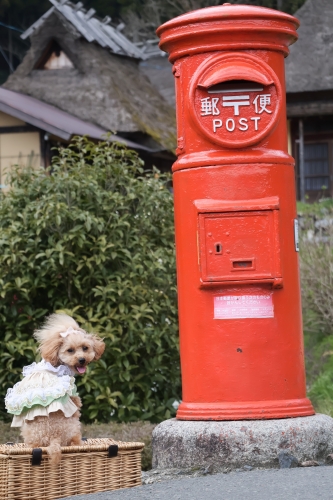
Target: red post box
(235, 214)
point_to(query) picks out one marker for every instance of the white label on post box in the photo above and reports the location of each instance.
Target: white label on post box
(243, 306)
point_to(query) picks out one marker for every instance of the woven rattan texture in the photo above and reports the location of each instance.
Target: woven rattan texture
(83, 469)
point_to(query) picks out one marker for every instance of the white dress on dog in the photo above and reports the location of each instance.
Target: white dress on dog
(43, 390)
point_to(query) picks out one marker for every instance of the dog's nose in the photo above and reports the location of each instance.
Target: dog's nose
(82, 361)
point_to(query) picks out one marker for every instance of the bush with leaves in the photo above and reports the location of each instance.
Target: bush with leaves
(94, 238)
(316, 252)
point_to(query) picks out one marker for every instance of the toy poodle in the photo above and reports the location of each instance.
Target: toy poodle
(45, 404)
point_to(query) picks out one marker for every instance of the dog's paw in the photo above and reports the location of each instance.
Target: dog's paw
(54, 452)
(76, 440)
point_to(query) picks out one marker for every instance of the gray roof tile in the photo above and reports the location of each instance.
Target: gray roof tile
(90, 28)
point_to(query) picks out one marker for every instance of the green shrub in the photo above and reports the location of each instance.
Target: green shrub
(317, 300)
(320, 374)
(317, 282)
(94, 239)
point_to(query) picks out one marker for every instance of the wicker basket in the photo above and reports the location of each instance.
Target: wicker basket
(98, 465)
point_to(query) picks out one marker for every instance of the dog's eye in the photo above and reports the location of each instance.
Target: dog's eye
(70, 350)
(84, 348)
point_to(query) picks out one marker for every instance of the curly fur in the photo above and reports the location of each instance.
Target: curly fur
(56, 430)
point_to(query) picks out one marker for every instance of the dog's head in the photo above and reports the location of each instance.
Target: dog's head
(63, 342)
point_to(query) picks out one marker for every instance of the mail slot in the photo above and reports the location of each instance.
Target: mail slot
(241, 341)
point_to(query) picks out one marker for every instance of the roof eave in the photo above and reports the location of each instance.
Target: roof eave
(65, 135)
(34, 121)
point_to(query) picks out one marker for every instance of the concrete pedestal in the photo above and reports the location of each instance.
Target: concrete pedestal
(222, 446)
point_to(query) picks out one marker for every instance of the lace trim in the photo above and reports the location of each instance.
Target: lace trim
(28, 393)
(43, 365)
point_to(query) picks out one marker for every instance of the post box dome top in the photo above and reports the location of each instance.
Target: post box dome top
(228, 27)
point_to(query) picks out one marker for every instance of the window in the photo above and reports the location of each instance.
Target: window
(54, 58)
(58, 60)
(316, 166)
(316, 169)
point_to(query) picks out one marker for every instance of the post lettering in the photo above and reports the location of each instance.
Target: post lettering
(230, 128)
(217, 124)
(243, 126)
(264, 101)
(236, 102)
(256, 119)
(209, 106)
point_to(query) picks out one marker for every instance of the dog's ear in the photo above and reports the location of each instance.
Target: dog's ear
(99, 347)
(49, 349)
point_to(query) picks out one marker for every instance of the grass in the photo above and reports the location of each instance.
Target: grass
(135, 431)
(319, 209)
(316, 259)
(324, 407)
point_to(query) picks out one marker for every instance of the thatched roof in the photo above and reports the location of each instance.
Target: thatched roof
(159, 71)
(102, 88)
(309, 66)
(53, 120)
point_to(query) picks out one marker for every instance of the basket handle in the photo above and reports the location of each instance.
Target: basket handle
(36, 456)
(113, 450)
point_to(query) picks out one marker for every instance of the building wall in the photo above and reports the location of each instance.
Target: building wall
(17, 147)
(10, 121)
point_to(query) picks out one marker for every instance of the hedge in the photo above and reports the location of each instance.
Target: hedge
(93, 237)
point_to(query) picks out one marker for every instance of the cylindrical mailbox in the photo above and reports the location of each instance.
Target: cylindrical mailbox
(235, 214)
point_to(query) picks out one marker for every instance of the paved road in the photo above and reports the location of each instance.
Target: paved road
(315, 483)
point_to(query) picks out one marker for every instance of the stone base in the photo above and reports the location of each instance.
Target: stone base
(223, 446)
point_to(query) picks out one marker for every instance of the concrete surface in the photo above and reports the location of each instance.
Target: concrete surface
(285, 484)
(227, 445)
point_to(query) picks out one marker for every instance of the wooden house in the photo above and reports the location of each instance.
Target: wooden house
(309, 72)
(81, 76)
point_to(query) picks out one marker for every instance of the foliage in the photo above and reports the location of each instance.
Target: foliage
(317, 274)
(94, 239)
(316, 252)
(310, 212)
(321, 392)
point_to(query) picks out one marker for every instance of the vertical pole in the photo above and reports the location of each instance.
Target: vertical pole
(279, 4)
(301, 159)
(10, 47)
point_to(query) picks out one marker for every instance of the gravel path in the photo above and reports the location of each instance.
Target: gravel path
(295, 484)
